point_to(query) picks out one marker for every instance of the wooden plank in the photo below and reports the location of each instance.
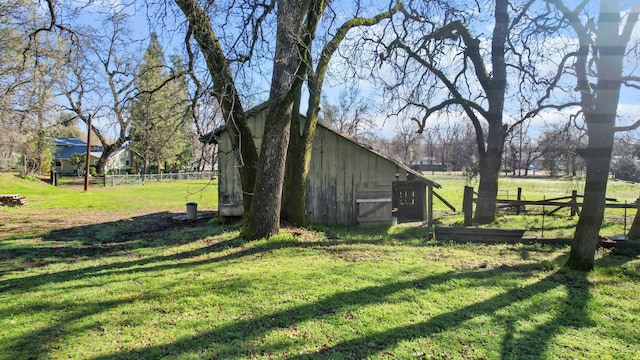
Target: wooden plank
(257, 124)
(444, 201)
(341, 206)
(315, 180)
(373, 208)
(473, 234)
(371, 171)
(12, 200)
(430, 206)
(515, 203)
(330, 170)
(325, 163)
(231, 210)
(349, 184)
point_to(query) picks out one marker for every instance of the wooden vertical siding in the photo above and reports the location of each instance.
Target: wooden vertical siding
(338, 167)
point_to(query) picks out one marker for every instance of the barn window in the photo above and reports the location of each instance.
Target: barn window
(407, 197)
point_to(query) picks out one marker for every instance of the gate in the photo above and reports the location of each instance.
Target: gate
(373, 202)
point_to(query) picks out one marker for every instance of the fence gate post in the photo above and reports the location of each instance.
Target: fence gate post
(574, 202)
(467, 205)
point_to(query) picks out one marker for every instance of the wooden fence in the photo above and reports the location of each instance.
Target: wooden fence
(518, 205)
(137, 179)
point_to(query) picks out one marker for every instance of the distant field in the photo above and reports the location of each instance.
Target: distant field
(538, 188)
(114, 274)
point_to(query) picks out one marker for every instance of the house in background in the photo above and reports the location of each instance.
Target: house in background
(119, 162)
(348, 183)
(428, 164)
(123, 161)
(65, 147)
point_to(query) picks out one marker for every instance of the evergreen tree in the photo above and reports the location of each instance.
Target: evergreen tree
(160, 132)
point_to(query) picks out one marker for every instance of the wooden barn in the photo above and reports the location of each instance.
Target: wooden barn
(348, 183)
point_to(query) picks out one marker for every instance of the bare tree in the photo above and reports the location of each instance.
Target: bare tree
(295, 23)
(12, 80)
(559, 147)
(219, 65)
(522, 150)
(100, 83)
(261, 181)
(603, 44)
(352, 115)
(204, 110)
(405, 141)
(31, 43)
(444, 64)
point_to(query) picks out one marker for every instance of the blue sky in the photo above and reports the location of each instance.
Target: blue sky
(629, 109)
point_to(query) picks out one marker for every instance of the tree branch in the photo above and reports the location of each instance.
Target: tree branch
(631, 127)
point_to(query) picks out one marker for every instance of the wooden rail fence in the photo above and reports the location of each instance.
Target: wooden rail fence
(136, 179)
(519, 205)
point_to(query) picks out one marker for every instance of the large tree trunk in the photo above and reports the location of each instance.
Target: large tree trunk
(600, 107)
(597, 155)
(634, 232)
(106, 153)
(491, 159)
(586, 236)
(264, 217)
(294, 197)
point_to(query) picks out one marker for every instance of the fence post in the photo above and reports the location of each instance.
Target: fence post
(544, 198)
(430, 206)
(574, 202)
(467, 205)
(519, 197)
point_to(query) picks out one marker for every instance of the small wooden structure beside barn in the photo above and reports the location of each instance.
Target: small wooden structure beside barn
(348, 183)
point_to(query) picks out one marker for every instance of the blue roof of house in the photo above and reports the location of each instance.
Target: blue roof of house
(65, 142)
(65, 153)
(65, 147)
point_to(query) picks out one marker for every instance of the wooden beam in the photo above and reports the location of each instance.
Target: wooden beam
(444, 201)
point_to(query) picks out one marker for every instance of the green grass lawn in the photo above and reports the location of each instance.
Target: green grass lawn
(133, 283)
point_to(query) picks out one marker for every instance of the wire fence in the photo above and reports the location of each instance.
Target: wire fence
(137, 179)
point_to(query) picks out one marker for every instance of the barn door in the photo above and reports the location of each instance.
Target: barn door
(373, 202)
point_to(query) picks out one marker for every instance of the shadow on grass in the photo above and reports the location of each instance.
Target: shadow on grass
(105, 239)
(225, 342)
(241, 338)
(151, 263)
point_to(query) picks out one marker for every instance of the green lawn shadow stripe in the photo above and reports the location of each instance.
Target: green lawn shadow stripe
(244, 330)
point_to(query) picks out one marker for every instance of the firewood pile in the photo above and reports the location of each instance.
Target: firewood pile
(12, 200)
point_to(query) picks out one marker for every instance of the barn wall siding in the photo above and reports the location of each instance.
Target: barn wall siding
(338, 167)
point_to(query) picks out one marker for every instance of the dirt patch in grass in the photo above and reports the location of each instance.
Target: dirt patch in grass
(58, 226)
(41, 240)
